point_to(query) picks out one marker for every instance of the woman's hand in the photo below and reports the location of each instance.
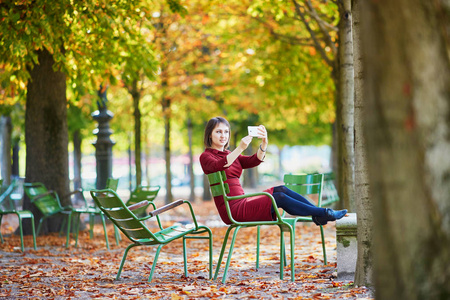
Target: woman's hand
(245, 141)
(262, 134)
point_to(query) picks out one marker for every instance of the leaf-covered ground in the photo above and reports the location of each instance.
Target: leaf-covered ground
(89, 271)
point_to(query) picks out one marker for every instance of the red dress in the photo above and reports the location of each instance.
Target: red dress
(258, 208)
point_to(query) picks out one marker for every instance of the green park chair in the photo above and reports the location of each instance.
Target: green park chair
(330, 194)
(113, 184)
(220, 188)
(48, 203)
(21, 214)
(135, 229)
(140, 194)
(307, 185)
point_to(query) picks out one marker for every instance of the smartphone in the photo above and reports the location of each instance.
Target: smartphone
(253, 131)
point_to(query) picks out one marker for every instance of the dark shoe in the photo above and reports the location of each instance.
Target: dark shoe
(333, 215)
(330, 215)
(319, 220)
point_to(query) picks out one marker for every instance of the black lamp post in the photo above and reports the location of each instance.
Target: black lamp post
(103, 145)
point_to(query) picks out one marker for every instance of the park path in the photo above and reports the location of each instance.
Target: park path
(88, 272)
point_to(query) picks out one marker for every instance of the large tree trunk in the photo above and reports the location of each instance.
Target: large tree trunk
(364, 265)
(46, 133)
(5, 149)
(345, 109)
(406, 62)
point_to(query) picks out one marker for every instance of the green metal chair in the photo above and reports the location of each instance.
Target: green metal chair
(140, 194)
(48, 203)
(21, 214)
(135, 229)
(113, 184)
(330, 194)
(307, 185)
(220, 188)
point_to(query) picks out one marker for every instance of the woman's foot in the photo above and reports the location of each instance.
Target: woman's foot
(330, 215)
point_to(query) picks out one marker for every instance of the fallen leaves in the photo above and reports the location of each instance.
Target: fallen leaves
(89, 271)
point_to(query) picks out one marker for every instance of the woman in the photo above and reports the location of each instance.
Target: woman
(259, 208)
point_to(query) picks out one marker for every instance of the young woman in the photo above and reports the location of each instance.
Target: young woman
(259, 208)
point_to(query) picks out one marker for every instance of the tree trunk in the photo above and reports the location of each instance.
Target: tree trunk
(46, 134)
(5, 150)
(147, 159)
(137, 132)
(407, 93)
(77, 155)
(364, 264)
(15, 169)
(191, 162)
(167, 154)
(346, 108)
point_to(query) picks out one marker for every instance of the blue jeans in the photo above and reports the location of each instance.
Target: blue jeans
(294, 203)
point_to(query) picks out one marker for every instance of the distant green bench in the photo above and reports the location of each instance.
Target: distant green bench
(329, 193)
(21, 214)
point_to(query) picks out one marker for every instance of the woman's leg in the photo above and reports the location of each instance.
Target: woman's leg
(292, 194)
(295, 204)
(297, 207)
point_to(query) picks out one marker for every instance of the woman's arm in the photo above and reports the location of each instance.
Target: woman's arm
(261, 152)
(245, 141)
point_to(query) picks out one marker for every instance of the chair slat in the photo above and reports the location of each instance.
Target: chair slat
(217, 190)
(214, 178)
(304, 189)
(302, 179)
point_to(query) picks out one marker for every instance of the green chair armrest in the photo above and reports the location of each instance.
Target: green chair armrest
(231, 198)
(138, 205)
(165, 208)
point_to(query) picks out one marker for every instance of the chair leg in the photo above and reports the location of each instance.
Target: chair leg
(116, 234)
(33, 231)
(21, 233)
(40, 225)
(104, 230)
(222, 251)
(282, 253)
(323, 246)
(184, 257)
(200, 230)
(1, 236)
(230, 253)
(292, 235)
(63, 224)
(258, 237)
(91, 226)
(124, 257)
(154, 262)
(69, 221)
(77, 228)
(210, 238)
(284, 249)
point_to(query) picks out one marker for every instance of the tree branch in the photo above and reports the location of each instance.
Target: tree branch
(323, 27)
(317, 45)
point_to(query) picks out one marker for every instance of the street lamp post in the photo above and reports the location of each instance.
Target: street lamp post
(103, 145)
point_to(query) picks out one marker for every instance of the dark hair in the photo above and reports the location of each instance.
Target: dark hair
(212, 123)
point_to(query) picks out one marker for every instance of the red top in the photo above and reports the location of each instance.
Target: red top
(256, 208)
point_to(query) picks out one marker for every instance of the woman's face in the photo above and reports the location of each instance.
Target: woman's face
(220, 136)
